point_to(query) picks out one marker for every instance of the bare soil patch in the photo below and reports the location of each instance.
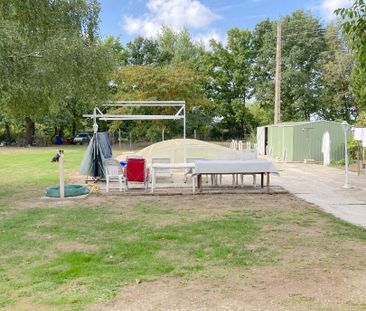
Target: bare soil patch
(264, 288)
(69, 246)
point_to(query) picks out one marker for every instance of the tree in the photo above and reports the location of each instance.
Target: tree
(263, 69)
(302, 44)
(358, 82)
(114, 45)
(354, 26)
(260, 115)
(229, 71)
(160, 83)
(50, 57)
(178, 48)
(336, 99)
(141, 52)
(167, 68)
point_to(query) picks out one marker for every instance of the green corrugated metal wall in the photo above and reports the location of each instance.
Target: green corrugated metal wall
(303, 140)
(281, 142)
(288, 142)
(275, 141)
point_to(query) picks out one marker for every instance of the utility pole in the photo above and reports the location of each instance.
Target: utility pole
(277, 112)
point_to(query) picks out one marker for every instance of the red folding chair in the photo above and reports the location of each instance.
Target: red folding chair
(136, 171)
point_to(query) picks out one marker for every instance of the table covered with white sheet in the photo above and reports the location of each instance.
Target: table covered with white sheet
(221, 167)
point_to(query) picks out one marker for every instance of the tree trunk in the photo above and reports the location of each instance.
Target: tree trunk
(74, 128)
(7, 131)
(241, 130)
(29, 130)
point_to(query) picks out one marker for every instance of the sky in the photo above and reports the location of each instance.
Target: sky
(205, 19)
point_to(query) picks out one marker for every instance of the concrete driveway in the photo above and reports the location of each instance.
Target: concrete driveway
(323, 186)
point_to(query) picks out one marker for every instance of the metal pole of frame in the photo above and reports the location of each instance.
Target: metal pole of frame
(184, 132)
(95, 142)
(95, 125)
(345, 129)
(130, 141)
(119, 139)
(346, 184)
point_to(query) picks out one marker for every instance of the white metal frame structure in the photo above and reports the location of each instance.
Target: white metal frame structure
(179, 115)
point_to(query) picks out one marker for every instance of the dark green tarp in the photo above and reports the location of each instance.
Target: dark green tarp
(70, 191)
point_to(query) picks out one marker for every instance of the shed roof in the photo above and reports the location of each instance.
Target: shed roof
(301, 123)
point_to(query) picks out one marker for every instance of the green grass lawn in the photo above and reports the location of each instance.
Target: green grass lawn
(33, 166)
(68, 255)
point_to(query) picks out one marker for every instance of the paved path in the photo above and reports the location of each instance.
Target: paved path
(323, 186)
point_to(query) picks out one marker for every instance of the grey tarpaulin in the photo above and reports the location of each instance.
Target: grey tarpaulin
(99, 149)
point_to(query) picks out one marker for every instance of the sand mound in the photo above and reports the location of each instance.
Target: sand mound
(176, 148)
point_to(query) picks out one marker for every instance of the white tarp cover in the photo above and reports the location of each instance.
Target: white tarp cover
(360, 134)
(326, 148)
(233, 167)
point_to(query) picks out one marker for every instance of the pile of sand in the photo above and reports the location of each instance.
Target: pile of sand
(174, 149)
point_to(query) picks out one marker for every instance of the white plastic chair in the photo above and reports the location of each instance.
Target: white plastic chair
(111, 162)
(162, 172)
(113, 172)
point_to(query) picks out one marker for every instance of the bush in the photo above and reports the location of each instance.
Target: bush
(353, 148)
(42, 141)
(341, 162)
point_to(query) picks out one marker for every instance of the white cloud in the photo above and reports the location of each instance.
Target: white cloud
(327, 7)
(205, 38)
(174, 13)
(146, 27)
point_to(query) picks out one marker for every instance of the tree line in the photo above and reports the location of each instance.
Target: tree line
(54, 67)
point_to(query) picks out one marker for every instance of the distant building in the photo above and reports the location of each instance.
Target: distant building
(297, 141)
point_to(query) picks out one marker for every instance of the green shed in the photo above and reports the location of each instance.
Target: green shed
(297, 141)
